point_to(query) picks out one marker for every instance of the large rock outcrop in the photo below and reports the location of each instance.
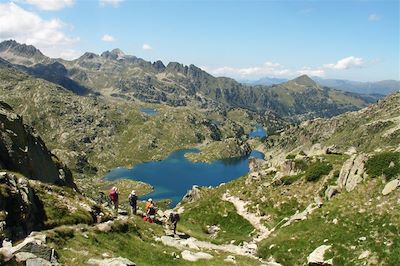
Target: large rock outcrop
(21, 211)
(352, 172)
(23, 151)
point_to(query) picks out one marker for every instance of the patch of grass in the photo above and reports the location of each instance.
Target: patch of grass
(211, 210)
(316, 170)
(384, 164)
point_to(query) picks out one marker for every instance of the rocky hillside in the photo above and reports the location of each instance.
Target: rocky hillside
(86, 131)
(327, 194)
(116, 74)
(23, 151)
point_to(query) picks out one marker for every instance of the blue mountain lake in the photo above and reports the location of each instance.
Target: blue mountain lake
(149, 111)
(258, 132)
(175, 175)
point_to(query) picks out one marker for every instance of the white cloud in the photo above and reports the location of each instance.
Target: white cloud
(346, 63)
(69, 54)
(113, 3)
(27, 27)
(147, 46)
(51, 4)
(267, 69)
(317, 72)
(107, 38)
(374, 17)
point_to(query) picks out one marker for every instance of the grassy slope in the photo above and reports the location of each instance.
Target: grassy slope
(211, 210)
(361, 213)
(134, 240)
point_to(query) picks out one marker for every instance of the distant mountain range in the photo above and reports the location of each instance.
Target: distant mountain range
(383, 87)
(117, 75)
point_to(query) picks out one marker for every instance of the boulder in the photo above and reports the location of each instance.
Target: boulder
(32, 250)
(195, 256)
(316, 258)
(391, 186)
(111, 262)
(331, 191)
(332, 150)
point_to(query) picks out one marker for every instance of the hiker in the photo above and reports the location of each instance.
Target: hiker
(133, 202)
(174, 219)
(114, 197)
(150, 211)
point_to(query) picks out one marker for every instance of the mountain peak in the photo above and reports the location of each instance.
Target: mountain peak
(113, 54)
(12, 46)
(305, 80)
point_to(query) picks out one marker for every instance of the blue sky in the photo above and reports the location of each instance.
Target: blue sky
(356, 40)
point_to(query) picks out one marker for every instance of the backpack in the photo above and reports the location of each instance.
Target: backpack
(152, 210)
(174, 217)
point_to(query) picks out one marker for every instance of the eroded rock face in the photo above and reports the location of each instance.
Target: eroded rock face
(21, 211)
(23, 151)
(192, 195)
(352, 172)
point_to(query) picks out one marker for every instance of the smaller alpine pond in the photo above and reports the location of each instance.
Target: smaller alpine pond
(175, 175)
(258, 132)
(149, 111)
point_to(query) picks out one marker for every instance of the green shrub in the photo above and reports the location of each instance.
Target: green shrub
(290, 179)
(300, 164)
(318, 169)
(290, 156)
(380, 164)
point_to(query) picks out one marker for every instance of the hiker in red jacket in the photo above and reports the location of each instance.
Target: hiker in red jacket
(114, 197)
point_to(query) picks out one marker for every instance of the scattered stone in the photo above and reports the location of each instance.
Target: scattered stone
(213, 230)
(111, 262)
(364, 255)
(104, 227)
(317, 256)
(331, 191)
(230, 259)
(335, 221)
(363, 238)
(191, 256)
(391, 186)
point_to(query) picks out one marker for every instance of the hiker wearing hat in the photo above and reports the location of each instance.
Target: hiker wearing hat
(133, 202)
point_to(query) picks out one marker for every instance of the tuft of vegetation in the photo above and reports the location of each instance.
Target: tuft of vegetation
(290, 156)
(384, 164)
(316, 170)
(290, 179)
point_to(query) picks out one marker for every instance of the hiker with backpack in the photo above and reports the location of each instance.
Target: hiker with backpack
(114, 197)
(133, 202)
(151, 211)
(174, 219)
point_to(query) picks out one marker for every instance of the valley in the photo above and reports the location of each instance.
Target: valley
(287, 174)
